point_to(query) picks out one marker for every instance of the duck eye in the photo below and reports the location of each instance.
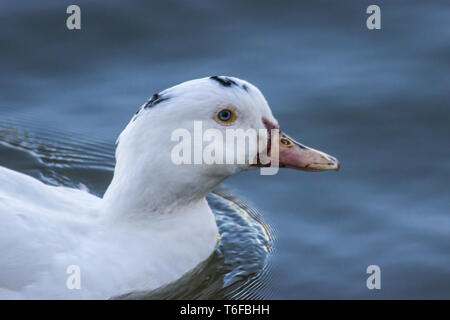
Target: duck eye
(226, 116)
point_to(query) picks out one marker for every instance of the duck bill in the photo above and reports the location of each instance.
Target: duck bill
(295, 155)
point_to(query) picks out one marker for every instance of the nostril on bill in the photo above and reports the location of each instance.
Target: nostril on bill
(332, 159)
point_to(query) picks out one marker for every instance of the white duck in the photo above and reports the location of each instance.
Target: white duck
(153, 224)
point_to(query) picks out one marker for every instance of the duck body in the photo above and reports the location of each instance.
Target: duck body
(44, 230)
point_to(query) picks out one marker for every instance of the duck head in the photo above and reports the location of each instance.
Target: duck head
(186, 140)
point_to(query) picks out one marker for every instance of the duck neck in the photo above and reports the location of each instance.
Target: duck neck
(141, 194)
(147, 183)
(137, 201)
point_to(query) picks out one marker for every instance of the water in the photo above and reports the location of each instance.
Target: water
(377, 100)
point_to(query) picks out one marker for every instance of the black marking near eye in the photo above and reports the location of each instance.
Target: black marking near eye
(244, 86)
(154, 100)
(224, 81)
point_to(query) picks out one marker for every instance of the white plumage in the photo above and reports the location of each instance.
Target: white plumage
(153, 223)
